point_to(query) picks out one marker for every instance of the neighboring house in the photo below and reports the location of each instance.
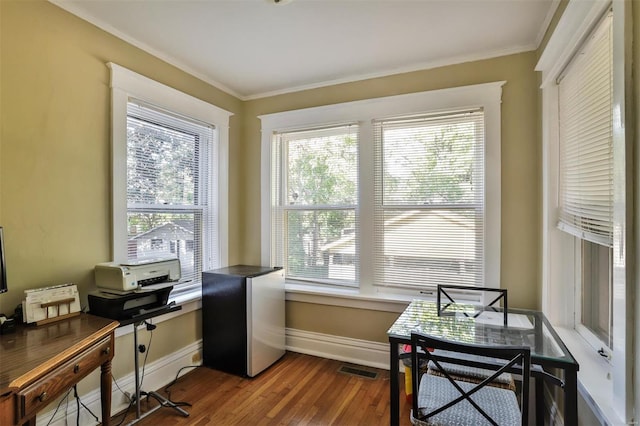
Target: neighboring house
(428, 256)
(172, 238)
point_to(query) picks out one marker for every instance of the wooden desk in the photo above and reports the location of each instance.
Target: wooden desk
(40, 363)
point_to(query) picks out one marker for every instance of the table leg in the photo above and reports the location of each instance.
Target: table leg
(539, 400)
(570, 397)
(105, 392)
(394, 385)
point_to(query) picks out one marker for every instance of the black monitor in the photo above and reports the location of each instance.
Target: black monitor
(3, 268)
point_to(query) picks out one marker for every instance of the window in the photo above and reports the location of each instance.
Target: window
(315, 196)
(169, 163)
(429, 197)
(594, 307)
(585, 92)
(169, 180)
(388, 195)
(587, 289)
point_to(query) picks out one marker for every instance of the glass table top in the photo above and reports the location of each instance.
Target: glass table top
(459, 323)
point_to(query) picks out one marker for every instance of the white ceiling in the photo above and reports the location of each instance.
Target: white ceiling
(255, 48)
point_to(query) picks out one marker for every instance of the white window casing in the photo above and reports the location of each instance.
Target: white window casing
(482, 97)
(129, 89)
(607, 387)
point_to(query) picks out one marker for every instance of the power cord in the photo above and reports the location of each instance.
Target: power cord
(78, 404)
(131, 400)
(142, 349)
(168, 392)
(58, 407)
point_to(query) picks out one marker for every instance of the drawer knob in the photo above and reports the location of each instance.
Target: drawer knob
(76, 368)
(43, 397)
(106, 351)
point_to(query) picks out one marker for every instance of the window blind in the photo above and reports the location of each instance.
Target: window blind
(586, 140)
(429, 200)
(314, 200)
(170, 189)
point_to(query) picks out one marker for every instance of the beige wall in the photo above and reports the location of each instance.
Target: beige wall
(521, 175)
(55, 174)
(55, 161)
(55, 157)
(636, 127)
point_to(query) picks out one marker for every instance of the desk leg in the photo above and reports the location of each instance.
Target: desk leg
(394, 385)
(570, 397)
(105, 392)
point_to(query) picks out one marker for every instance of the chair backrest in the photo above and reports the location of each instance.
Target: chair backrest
(444, 292)
(444, 354)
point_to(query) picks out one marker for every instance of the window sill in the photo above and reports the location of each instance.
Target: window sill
(347, 297)
(594, 383)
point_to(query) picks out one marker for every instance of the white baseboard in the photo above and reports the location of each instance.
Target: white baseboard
(156, 375)
(162, 371)
(356, 351)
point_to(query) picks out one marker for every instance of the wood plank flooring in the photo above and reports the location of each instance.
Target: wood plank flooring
(298, 390)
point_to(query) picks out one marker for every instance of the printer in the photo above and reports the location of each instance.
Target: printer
(130, 291)
(143, 303)
(124, 277)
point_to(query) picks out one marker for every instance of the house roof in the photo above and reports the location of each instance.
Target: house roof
(176, 230)
(408, 227)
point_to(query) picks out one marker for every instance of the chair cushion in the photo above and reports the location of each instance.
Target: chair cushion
(435, 391)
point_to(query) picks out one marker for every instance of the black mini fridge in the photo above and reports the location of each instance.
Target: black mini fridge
(243, 318)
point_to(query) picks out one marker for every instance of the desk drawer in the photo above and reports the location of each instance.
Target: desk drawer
(51, 385)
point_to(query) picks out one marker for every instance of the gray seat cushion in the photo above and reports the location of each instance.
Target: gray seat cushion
(435, 391)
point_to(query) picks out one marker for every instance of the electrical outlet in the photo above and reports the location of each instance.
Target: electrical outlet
(196, 357)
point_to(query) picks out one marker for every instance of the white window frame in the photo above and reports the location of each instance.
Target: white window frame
(125, 85)
(486, 96)
(606, 386)
(280, 147)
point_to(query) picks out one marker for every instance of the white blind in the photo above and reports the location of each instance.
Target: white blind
(586, 140)
(314, 200)
(171, 188)
(429, 200)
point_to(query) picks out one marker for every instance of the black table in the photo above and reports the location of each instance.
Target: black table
(525, 327)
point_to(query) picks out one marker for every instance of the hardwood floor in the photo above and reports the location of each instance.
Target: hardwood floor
(298, 390)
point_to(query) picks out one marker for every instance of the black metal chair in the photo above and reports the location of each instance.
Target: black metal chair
(442, 400)
(445, 299)
(445, 290)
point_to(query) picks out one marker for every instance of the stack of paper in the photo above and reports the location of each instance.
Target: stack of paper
(47, 303)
